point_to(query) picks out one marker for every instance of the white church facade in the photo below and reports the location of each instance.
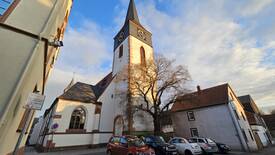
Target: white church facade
(88, 115)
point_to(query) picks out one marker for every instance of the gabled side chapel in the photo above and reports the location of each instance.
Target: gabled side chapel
(90, 114)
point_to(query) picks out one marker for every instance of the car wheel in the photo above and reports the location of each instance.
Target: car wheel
(187, 152)
(203, 151)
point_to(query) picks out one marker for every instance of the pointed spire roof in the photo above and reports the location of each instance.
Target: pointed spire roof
(132, 13)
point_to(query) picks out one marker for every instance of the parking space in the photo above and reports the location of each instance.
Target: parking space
(101, 151)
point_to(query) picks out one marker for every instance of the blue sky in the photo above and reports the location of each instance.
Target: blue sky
(220, 41)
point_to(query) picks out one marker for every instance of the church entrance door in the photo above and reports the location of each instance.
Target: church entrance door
(118, 126)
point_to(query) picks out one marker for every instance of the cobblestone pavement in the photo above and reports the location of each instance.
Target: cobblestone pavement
(101, 151)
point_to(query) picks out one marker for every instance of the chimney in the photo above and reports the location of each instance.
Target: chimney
(199, 89)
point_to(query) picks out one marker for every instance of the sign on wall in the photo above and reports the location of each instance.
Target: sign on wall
(35, 101)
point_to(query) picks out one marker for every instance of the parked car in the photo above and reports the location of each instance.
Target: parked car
(207, 145)
(128, 145)
(223, 148)
(160, 146)
(184, 147)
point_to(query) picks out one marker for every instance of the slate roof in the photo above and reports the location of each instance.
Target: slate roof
(132, 13)
(86, 93)
(203, 98)
(80, 92)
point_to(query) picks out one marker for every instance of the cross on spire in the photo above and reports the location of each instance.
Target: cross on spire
(132, 13)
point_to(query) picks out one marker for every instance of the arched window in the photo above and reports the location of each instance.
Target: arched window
(120, 51)
(142, 56)
(78, 119)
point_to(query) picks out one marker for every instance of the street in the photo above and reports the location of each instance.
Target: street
(101, 151)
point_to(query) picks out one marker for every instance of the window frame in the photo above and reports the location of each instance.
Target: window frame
(251, 135)
(77, 125)
(120, 51)
(8, 11)
(188, 116)
(142, 56)
(192, 132)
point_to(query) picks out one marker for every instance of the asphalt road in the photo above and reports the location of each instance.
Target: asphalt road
(101, 151)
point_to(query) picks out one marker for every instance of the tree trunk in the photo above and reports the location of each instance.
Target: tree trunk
(157, 128)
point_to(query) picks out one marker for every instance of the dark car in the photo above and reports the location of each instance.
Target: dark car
(128, 145)
(223, 148)
(160, 146)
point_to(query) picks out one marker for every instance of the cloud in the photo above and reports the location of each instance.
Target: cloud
(86, 53)
(253, 7)
(220, 41)
(217, 47)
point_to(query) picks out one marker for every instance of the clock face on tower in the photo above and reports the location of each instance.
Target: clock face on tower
(121, 36)
(141, 34)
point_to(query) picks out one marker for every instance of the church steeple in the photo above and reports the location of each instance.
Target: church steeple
(132, 13)
(132, 27)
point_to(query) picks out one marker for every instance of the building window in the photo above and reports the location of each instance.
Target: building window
(251, 135)
(4, 6)
(78, 119)
(142, 57)
(244, 134)
(190, 115)
(120, 51)
(194, 132)
(236, 113)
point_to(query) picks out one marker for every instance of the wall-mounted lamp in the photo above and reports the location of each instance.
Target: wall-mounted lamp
(56, 43)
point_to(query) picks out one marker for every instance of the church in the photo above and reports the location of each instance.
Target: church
(88, 115)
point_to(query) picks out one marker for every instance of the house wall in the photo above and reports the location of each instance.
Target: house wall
(61, 136)
(214, 122)
(22, 66)
(241, 123)
(108, 113)
(262, 133)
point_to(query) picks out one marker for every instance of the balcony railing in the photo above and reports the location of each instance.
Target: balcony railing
(4, 5)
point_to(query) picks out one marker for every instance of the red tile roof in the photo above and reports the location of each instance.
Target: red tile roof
(202, 98)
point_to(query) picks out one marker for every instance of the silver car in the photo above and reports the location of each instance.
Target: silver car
(207, 145)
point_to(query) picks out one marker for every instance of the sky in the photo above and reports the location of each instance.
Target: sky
(220, 41)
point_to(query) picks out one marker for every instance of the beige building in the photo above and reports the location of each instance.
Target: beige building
(30, 35)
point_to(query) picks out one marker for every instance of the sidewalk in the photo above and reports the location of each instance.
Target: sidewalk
(32, 151)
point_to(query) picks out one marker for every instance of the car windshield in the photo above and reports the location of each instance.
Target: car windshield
(191, 140)
(160, 140)
(210, 141)
(136, 142)
(183, 141)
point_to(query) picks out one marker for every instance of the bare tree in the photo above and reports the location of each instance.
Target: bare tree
(155, 86)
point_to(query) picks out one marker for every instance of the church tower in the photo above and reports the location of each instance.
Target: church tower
(133, 43)
(133, 46)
